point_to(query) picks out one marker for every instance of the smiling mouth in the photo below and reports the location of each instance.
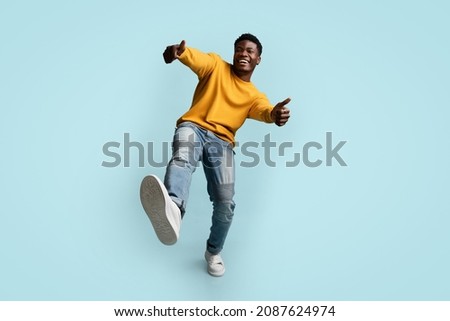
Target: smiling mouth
(243, 62)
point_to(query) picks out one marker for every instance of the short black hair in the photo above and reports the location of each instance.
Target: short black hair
(252, 38)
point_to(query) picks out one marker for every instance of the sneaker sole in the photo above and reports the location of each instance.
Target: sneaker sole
(154, 204)
(216, 274)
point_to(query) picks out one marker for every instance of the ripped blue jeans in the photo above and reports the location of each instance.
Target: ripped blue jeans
(191, 145)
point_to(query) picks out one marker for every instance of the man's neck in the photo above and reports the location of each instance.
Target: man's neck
(245, 76)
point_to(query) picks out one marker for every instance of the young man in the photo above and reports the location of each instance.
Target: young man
(223, 100)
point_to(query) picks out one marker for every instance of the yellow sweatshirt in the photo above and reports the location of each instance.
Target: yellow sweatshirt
(222, 101)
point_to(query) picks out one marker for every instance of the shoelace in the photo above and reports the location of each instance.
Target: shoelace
(215, 259)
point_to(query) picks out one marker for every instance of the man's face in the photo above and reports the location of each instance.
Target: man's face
(246, 57)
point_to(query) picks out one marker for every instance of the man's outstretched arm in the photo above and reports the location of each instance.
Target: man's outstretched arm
(280, 113)
(173, 52)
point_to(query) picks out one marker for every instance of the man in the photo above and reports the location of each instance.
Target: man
(223, 100)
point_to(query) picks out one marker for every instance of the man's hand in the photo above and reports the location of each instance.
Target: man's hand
(173, 52)
(280, 114)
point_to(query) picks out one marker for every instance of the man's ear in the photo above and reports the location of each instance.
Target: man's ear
(258, 60)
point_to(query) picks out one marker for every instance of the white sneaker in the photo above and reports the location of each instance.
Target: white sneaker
(215, 264)
(163, 213)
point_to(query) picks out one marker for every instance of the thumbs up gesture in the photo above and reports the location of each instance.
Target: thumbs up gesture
(173, 52)
(280, 114)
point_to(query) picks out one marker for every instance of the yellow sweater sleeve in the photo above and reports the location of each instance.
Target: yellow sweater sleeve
(261, 109)
(200, 63)
(222, 101)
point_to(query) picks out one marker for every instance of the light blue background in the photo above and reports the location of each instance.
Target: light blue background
(75, 75)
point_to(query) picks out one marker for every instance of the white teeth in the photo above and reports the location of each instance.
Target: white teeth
(243, 61)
